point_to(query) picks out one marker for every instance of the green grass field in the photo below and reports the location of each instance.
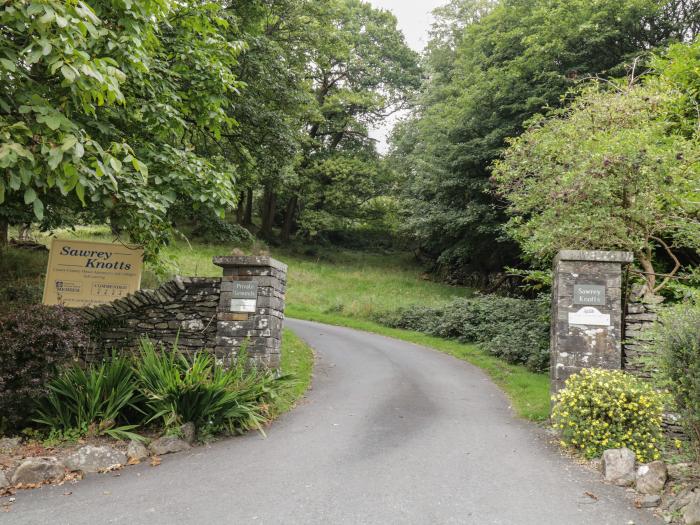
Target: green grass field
(346, 288)
(298, 361)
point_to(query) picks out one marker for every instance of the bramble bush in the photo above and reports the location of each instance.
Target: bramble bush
(516, 330)
(603, 409)
(34, 342)
(677, 344)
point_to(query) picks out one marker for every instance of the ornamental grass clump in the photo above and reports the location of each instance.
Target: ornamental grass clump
(603, 409)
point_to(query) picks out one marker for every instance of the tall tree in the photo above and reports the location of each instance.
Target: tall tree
(360, 71)
(611, 171)
(510, 61)
(111, 107)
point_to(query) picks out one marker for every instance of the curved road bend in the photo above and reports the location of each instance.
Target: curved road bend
(390, 433)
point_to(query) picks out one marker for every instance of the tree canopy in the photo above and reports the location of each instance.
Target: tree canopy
(109, 106)
(490, 67)
(607, 172)
(130, 112)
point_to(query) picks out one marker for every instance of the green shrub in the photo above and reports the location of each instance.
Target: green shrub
(677, 344)
(34, 342)
(91, 401)
(180, 389)
(516, 330)
(212, 229)
(603, 409)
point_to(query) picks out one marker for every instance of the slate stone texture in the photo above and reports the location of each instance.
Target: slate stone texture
(574, 347)
(198, 314)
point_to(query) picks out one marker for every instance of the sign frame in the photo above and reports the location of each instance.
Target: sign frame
(90, 271)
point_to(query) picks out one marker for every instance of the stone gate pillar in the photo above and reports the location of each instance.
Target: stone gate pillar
(586, 329)
(251, 308)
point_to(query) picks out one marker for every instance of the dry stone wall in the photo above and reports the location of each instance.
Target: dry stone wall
(641, 314)
(182, 310)
(242, 309)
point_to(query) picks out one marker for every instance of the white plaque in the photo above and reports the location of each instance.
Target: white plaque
(589, 316)
(243, 305)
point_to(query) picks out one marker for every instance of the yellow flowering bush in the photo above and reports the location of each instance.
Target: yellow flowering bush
(602, 409)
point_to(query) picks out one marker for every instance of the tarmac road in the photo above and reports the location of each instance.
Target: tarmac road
(390, 433)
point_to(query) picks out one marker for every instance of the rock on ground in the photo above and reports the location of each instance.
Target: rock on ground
(681, 471)
(4, 482)
(188, 432)
(94, 459)
(168, 445)
(651, 478)
(38, 470)
(9, 445)
(136, 451)
(618, 466)
(691, 513)
(648, 501)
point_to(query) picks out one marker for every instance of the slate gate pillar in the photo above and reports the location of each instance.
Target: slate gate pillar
(251, 309)
(586, 330)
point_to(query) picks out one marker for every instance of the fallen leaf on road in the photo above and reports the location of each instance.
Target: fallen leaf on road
(155, 461)
(68, 493)
(591, 495)
(28, 485)
(133, 461)
(111, 468)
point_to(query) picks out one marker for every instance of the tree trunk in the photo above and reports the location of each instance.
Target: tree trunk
(4, 232)
(289, 219)
(268, 218)
(248, 219)
(240, 208)
(649, 274)
(24, 232)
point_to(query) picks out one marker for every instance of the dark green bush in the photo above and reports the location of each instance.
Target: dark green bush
(34, 342)
(677, 343)
(161, 387)
(212, 229)
(516, 330)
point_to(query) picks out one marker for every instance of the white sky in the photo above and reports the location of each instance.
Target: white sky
(414, 20)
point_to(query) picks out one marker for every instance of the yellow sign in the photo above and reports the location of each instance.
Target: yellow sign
(82, 273)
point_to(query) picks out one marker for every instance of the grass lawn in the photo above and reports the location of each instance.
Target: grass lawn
(346, 288)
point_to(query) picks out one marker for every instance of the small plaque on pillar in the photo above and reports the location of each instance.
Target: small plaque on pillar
(589, 294)
(245, 296)
(589, 316)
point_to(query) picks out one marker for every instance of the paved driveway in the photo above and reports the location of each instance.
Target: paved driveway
(390, 433)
